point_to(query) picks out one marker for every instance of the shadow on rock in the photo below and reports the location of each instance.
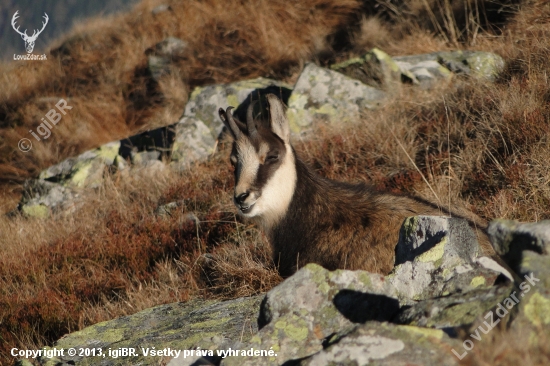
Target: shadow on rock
(360, 307)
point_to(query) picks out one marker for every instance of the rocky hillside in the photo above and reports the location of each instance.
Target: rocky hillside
(441, 304)
(119, 229)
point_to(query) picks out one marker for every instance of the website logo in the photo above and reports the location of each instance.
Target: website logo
(29, 40)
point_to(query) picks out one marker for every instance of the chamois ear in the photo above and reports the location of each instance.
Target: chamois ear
(277, 118)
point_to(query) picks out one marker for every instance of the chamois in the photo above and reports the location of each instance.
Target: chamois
(308, 218)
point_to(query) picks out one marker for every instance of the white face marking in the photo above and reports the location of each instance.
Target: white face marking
(277, 192)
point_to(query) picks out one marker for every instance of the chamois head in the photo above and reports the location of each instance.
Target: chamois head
(265, 173)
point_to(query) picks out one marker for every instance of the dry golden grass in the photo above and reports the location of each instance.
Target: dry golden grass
(480, 145)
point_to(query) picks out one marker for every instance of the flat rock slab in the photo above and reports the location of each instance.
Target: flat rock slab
(388, 344)
(178, 326)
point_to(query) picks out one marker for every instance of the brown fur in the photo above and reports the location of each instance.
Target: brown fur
(345, 226)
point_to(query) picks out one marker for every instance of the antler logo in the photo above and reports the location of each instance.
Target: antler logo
(29, 41)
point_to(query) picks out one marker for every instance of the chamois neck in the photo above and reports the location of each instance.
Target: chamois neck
(311, 194)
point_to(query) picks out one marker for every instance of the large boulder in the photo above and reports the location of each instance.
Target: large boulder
(511, 238)
(437, 256)
(200, 126)
(378, 69)
(526, 247)
(325, 95)
(454, 310)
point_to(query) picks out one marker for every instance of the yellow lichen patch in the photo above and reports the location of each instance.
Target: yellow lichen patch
(232, 100)
(108, 151)
(426, 332)
(82, 173)
(477, 281)
(537, 310)
(434, 254)
(324, 288)
(365, 278)
(295, 329)
(409, 226)
(210, 323)
(38, 211)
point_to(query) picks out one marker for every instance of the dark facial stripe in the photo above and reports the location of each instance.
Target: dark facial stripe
(268, 168)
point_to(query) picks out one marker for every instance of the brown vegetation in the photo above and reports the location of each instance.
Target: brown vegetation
(477, 144)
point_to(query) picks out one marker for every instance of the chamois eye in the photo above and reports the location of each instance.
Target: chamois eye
(233, 160)
(272, 158)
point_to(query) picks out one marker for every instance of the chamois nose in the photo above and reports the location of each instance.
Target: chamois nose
(242, 197)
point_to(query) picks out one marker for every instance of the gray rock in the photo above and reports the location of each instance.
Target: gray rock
(58, 171)
(436, 239)
(42, 198)
(84, 170)
(486, 65)
(510, 238)
(179, 326)
(525, 247)
(170, 47)
(193, 142)
(142, 158)
(161, 9)
(533, 318)
(388, 344)
(169, 208)
(298, 315)
(376, 68)
(326, 95)
(434, 256)
(57, 187)
(476, 63)
(454, 310)
(426, 73)
(204, 102)
(163, 54)
(120, 163)
(158, 66)
(200, 126)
